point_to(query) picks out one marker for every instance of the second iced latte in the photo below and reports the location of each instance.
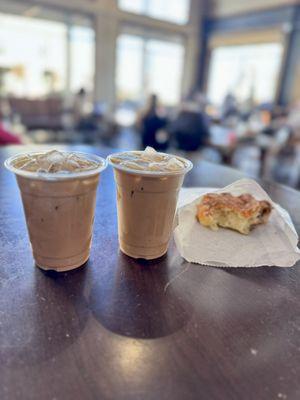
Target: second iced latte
(148, 184)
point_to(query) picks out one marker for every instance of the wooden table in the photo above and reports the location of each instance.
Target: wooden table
(112, 330)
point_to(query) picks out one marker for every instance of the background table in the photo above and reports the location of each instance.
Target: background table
(113, 330)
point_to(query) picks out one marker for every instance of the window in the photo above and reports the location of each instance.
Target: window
(176, 11)
(163, 70)
(34, 56)
(129, 79)
(146, 66)
(247, 71)
(82, 65)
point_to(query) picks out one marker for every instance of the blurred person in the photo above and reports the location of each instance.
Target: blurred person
(229, 106)
(287, 165)
(246, 107)
(200, 98)
(190, 128)
(82, 107)
(79, 102)
(152, 125)
(267, 117)
(283, 162)
(293, 119)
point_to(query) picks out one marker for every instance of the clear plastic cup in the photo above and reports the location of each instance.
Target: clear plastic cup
(146, 203)
(59, 210)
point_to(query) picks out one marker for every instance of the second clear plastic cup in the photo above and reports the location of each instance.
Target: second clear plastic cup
(146, 203)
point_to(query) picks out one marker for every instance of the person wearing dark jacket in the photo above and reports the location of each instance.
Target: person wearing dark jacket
(190, 128)
(152, 125)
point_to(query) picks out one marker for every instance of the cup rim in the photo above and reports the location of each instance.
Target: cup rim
(188, 163)
(58, 176)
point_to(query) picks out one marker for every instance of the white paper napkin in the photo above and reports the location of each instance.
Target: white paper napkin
(272, 244)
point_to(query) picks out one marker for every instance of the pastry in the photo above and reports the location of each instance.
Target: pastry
(240, 213)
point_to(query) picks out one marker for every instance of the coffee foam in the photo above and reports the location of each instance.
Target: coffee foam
(148, 160)
(54, 161)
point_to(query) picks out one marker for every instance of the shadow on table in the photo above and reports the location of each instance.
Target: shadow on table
(134, 302)
(47, 317)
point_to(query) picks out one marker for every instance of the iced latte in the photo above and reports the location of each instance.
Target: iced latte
(58, 191)
(148, 184)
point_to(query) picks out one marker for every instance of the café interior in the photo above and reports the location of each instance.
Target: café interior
(213, 80)
(120, 291)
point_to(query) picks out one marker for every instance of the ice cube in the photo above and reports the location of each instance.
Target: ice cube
(49, 161)
(149, 150)
(174, 164)
(132, 165)
(150, 154)
(54, 161)
(54, 157)
(76, 162)
(71, 165)
(155, 166)
(30, 165)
